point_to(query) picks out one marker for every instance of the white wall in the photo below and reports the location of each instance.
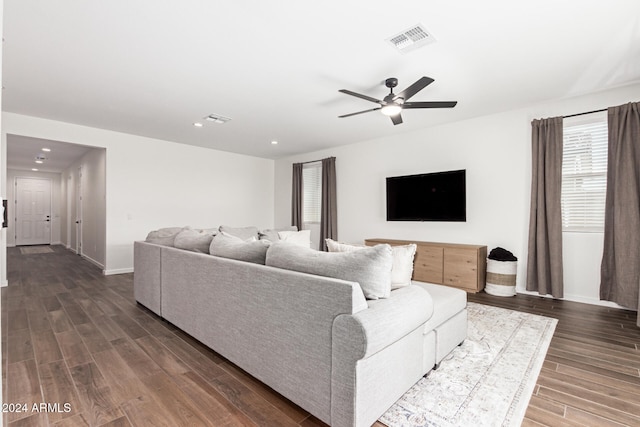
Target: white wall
(56, 215)
(3, 195)
(93, 188)
(496, 152)
(68, 196)
(152, 183)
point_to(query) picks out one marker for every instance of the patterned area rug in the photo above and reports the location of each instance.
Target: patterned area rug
(487, 381)
(31, 250)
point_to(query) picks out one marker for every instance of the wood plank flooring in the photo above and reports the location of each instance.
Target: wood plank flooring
(71, 335)
(591, 375)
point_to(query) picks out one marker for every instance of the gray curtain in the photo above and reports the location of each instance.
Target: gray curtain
(620, 269)
(296, 196)
(544, 264)
(328, 209)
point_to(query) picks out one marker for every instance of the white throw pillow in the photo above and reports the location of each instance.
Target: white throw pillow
(403, 255)
(402, 269)
(300, 238)
(242, 232)
(272, 234)
(370, 267)
(334, 246)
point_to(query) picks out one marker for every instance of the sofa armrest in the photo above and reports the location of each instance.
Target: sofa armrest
(360, 335)
(377, 355)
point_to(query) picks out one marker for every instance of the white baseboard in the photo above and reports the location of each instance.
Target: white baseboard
(117, 271)
(575, 298)
(94, 262)
(593, 301)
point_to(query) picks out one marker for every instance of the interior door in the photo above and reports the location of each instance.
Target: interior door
(33, 211)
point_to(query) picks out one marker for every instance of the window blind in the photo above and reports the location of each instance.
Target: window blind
(312, 192)
(584, 175)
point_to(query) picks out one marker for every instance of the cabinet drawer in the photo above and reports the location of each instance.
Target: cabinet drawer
(451, 264)
(461, 268)
(427, 265)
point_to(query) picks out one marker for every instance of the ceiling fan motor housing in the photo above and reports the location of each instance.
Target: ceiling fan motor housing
(391, 82)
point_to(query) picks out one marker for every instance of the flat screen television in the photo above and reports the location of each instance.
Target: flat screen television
(439, 196)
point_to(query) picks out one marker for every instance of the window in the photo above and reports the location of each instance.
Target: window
(312, 192)
(584, 173)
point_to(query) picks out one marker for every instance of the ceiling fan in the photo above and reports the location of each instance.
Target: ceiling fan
(393, 104)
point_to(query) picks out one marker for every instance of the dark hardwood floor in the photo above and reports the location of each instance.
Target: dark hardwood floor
(591, 375)
(71, 335)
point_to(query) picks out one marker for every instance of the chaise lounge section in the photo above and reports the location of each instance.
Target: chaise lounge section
(314, 339)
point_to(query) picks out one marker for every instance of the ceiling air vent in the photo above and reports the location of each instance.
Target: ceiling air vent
(217, 118)
(411, 39)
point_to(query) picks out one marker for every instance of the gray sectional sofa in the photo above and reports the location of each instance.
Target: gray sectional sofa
(314, 339)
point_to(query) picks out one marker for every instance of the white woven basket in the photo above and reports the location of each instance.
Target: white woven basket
(501, 278)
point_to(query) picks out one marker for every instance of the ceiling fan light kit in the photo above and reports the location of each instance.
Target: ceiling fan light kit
(391, 110)
(393, 104)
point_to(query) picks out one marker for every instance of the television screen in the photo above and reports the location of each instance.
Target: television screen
(437, 196)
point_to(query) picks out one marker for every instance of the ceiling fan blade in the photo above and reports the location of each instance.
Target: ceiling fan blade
(358, 95)
(434, 104)
(359, 112)
(414, 88)
(397, 119)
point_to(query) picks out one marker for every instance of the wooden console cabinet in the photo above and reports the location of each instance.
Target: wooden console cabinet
(460, 266)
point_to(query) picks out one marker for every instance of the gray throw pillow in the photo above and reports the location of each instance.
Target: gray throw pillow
(272, 234)
(194, 240)
(244, 233)
(164, 236)
(370, 267)
(227, 246)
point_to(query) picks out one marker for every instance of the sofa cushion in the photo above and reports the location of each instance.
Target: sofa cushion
(370, 267)
(227, 246)
(447, 302)
(164, 236)
(272, 234)
(194, 240)
(300, 238)
(403, 255)
(243, 233)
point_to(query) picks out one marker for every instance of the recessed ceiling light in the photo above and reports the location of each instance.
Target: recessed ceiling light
(274, 142)
(46, 149)
(198, 124)
(39, 162)
(34, 169)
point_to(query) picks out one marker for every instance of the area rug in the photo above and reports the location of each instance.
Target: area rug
(487, 381)
(31, 250)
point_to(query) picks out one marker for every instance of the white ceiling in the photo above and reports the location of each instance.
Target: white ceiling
(153, 67)
(22, 152)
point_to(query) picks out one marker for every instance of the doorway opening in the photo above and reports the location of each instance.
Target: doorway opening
(75, 216)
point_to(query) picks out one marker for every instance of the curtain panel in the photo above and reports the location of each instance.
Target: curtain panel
(328, 206)
(544, 264)
(296, 196)
(620, 268)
